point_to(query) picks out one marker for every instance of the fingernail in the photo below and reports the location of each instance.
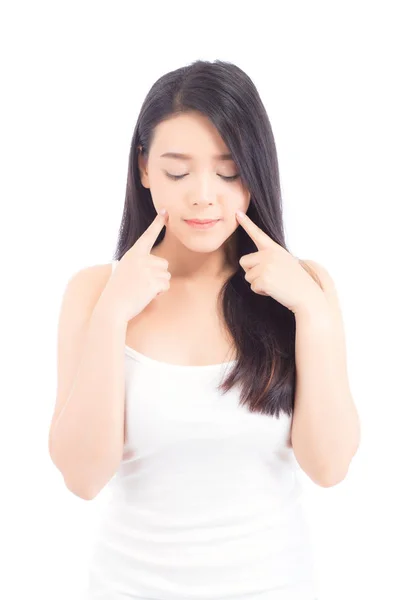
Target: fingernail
(163, 211)
(240, 213)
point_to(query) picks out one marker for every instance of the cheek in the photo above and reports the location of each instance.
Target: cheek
(246, 202)
(163, 197)
(240, 200)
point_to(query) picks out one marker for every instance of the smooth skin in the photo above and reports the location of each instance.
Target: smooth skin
(194, 256)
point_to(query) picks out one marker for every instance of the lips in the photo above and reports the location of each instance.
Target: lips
(201, 220)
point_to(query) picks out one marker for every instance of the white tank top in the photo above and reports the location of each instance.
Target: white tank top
(206, 503)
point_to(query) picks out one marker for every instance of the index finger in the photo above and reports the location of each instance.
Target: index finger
(259, 237)
(149, 236)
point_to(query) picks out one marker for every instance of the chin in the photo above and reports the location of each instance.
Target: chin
(204, 246)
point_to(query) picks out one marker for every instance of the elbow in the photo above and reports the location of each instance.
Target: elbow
(331, 479)
(334, 476)
(84, 477)
(85, 482)
(87, 486)
(83, 492)
(331, 472)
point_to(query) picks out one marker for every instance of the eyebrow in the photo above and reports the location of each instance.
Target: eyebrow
(188, 157)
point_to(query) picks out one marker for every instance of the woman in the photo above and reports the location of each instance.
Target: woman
(210, 362)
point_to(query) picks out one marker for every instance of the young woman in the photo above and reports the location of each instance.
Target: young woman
(205, 365)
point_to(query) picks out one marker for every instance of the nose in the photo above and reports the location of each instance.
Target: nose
(205, 191)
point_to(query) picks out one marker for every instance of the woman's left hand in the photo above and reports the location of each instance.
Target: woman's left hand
(273, 271)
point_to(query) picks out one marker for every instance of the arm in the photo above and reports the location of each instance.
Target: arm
(325, 427)
(87, 432)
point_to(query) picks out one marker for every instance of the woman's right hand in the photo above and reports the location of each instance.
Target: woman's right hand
(139, 276)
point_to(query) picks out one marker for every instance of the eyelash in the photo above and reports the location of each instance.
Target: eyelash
(175, 177)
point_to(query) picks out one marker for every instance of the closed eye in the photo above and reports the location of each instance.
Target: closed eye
(175, 177)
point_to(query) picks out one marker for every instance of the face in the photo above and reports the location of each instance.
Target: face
(204, 186)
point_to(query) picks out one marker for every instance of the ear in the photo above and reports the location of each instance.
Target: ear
(142, 165)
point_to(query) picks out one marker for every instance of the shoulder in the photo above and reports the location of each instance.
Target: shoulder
(93, 273)
(326, 281)
(88, 282)
(81, 293)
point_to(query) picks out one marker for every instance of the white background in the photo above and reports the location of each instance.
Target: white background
(74, 75)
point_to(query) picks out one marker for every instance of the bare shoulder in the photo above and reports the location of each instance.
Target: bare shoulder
(325, 280)
(88, 282)
(322, 273)
(82, 291)
(93, 272)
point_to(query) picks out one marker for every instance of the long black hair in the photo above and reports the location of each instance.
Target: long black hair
(262, 328)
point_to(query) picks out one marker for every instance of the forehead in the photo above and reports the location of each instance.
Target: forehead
(189, 137)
